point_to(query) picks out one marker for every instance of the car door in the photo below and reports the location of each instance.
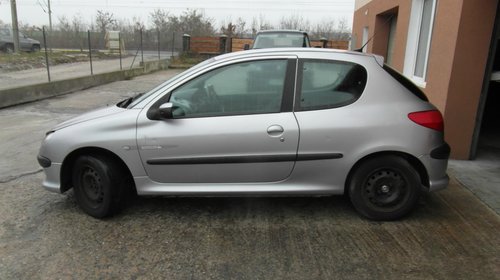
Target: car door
(231, 124)
(330, 122)
(24, 43)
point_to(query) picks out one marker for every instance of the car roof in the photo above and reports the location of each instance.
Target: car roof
(293, 51)
(282, 31)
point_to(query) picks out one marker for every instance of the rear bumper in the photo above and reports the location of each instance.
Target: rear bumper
(436, 171)
(439, 184)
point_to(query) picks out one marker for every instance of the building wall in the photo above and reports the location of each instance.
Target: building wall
(468, 70)
(457, 58)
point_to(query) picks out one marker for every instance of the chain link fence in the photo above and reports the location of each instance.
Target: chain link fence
(75, 54)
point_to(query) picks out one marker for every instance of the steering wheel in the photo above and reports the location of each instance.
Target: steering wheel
(213, 97)
(182, 106)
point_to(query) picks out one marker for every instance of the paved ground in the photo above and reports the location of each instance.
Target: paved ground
(482, 175)
(71, 70)
(451, 235)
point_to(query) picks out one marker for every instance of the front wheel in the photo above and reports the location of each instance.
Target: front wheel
(384, 188)
(9, 48)
(98, 185)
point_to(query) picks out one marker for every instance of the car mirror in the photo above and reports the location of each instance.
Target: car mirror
(165, 111)
(246, 47)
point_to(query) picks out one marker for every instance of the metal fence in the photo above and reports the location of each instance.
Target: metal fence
(73, 54)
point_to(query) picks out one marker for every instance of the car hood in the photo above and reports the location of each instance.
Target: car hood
(99, 113)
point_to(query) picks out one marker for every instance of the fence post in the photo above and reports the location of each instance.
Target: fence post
(120, 48)
(142, 52)
(186, 43)
(324, 42)
(90, 53)
(46, 54)
(158, 44)
(173, 44)
(222, 43)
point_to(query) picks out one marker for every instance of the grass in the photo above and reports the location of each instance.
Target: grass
(187, 60)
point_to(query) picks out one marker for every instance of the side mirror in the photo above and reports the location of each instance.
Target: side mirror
(165, 111)
(246, 47)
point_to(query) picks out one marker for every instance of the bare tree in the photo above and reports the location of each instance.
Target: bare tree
(324, 29)
(78, 27)
(343, 32)
(104, 20)
(159, 19)
(196, 23)
(295, 22)
(63, 25)
(259, 24)
(234, 30)
(138, 23)
(77, 23)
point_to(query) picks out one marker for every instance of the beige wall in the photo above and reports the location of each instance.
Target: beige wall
(467, 72)
(367, 16)
(360, 3)
(457, 58)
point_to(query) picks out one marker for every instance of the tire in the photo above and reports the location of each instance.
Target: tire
(99, 185)
(9, 48)
(384, 188)
(35, 48)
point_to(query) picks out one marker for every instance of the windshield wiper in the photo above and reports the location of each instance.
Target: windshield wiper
(125, 103)
(128, 101)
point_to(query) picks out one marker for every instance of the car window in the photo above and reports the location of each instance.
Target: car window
(330, 84)
(280, 40)
(254, 87)
(4, 32)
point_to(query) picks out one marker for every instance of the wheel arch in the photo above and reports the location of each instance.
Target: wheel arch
(69, 161)
(412, 160)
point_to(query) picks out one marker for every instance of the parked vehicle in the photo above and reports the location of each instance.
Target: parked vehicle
(25, 43)
(263, 122)
(280, 39)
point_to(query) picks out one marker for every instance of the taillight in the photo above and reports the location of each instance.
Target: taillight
(430, 119)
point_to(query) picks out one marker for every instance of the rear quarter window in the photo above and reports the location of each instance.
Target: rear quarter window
(409, 85)
(328, 84)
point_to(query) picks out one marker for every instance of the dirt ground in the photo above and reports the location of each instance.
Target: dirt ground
(451, 234)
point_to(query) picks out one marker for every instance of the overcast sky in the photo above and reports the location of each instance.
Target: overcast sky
(31, 11)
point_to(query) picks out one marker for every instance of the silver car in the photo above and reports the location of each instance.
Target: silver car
(262, 122)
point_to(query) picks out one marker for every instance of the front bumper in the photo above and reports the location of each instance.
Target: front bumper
(52, 181)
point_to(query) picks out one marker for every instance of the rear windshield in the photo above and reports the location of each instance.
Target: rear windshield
(409, 85)
(280, 40)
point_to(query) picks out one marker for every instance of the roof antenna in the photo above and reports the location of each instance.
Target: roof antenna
(375, 33)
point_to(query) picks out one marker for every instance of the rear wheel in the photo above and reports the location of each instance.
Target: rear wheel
(35, 48)
(384, 188)
(99, 185)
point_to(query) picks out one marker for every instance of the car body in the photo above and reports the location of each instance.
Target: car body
(263, 122)
(281, 39)
(25, 43)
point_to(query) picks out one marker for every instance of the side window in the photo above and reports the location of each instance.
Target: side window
(330, 84)
(254, 87)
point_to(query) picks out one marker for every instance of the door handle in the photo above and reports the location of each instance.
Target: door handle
(275, 130)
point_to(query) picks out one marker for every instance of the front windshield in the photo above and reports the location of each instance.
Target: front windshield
(280, 40)
(144, 96)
